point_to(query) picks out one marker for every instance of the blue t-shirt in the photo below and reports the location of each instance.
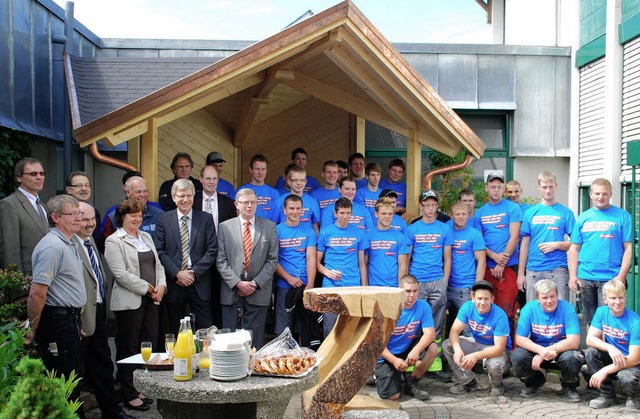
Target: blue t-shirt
(292, 250)
(325, 197)
(620, 332)
(226, 188)
(368, 198)
(602, 234)
(466, 241)
(360, 217)
(362, 183)
(494, 224)
(341, 247)
(428, 242)
(282, 190)
(410, 323)
(483, 327)
(267, 197)
(524, 206)
(400, 188)
(384, 248)
(471, 222)
(397, 223)
(312, 184)
(310, 210)
(546, 223)
(544, 328)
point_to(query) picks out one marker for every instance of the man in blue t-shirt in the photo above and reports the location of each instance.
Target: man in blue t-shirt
(548, 336)
(489, 342)
(216, 159)
(513, 191)
(368, 195)
(296, 269)
(267, 196)
(614, 348)
(600, 248)
(499, 220)
(299, 158)
(388, 253)
(395, 172)
(360, 216)
(543, 249)
(342, 245)
(468, 259)
(430, 242)
(328, 193)
(356, 169)
(411, 345)
(296, 179)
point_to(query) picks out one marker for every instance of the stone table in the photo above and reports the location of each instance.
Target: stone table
(251, 397)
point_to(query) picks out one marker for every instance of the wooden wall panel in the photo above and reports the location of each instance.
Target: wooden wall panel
(197, 134)
(321, 129)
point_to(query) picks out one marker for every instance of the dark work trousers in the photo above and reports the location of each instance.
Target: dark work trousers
(568, 362)
(58, 339)
(98, 367)
(134, 326)
(177, 309)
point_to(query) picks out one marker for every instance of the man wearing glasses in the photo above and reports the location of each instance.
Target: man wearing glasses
(23, 217)
(247, 260)
(79, 187)
(58, 293)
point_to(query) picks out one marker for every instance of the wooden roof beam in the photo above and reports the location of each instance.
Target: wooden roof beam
(348, 102)
(252, 106)
(127, 134)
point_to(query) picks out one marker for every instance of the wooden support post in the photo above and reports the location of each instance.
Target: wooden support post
(360, 137)
(149, 159)
(414, 172)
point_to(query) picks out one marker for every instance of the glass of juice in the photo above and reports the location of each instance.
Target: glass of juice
(145, 351)
(169, 344)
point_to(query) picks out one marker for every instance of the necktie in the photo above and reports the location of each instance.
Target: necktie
(43, 217)
(247, 243)
(208, 207)
(184, 240)
(96, 269)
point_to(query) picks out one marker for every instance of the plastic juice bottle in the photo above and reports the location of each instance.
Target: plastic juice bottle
(195, 358)
(182, 354)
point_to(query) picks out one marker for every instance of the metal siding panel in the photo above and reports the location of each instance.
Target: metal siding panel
(591, 122)
(630, 102)
(22, 68)
(496, 82)
(42, 71)
(5, 62)
(458, 80)
(426, 65)
(59, 84)
(562, 107)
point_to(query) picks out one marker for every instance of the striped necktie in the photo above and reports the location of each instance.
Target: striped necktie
(248, 244)
(96, 269)
(41, 214)
(184, 240)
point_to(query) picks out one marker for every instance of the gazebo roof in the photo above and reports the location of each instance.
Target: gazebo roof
(336, 56)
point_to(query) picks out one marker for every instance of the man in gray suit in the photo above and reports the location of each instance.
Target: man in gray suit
(188, 263)
(23, 218)
(95, 354)
(247, 259)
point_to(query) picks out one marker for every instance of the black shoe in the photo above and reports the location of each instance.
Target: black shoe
(146, 400)
(141, 408)
(122, 415)
(442, 376)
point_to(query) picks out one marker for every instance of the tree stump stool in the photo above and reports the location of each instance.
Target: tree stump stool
(367, 317)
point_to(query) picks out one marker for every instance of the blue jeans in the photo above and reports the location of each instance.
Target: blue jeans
(591, 298)
(568, 362)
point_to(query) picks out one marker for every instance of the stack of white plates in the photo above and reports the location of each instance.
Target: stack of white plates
(229, 357)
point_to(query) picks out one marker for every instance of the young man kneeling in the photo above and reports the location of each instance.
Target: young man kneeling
(405, 349)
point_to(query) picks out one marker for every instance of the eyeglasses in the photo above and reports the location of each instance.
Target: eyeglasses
(34, 174)
(247, 202)
(81, 186)
(74, 214)
(186, 196)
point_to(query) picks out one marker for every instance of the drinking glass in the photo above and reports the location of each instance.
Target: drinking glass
(145, 351)
(169, 344)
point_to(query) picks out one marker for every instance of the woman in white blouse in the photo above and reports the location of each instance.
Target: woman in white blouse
(138, 288)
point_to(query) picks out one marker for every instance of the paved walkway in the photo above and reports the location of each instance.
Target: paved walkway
(479, 405)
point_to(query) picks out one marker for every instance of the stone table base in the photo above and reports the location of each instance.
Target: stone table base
(251, 397)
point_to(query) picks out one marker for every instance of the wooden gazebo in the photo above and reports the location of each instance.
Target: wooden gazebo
(312, 85)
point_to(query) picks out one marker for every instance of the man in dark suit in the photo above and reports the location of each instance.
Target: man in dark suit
(186, 243)
(95, 354)
(247, 259)
(181, 166)
(221, 209)
(23, 218)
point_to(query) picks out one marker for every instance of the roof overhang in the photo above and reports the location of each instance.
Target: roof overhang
(336, 56)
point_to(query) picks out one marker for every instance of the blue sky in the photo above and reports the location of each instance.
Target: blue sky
(450, 21)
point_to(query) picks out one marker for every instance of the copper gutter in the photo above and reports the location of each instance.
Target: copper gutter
(428, 177)
(93, 150)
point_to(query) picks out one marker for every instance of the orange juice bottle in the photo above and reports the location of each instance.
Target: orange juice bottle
(182, 353)
(195, 359)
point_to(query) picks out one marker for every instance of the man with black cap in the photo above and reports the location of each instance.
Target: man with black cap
(397, 222)
(489, 342)
(499, 221)
(216, 159)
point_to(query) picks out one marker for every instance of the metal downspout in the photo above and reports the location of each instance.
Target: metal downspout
(428, 177)
(93, 150)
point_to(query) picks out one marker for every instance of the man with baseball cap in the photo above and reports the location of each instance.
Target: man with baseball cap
(489, 342)
(216, 159)
(397, 222)
(499, 221)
